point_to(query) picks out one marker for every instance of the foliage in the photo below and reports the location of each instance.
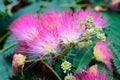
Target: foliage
(113, 36)
(2, 7)
(9, 46)
(5, 69)
(82, 58)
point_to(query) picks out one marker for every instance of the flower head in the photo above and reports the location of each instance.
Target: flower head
(114, 4)
(42, 34)
(91, 73)
(26, 27)
(98, 18)
(50, 20)
(66, 66)
(103, 54)
(70, 77)
(70, 31)
(48, 38)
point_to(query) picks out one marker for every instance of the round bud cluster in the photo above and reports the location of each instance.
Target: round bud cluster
(93, 30)
(101, 36)
(66, 66)
(70, 77)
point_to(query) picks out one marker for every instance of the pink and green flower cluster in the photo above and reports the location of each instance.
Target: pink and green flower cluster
(50, 33)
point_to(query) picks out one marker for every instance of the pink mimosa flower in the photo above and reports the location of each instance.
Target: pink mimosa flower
(47, 42)
(91, 73)
(25, 28)
(48, 38)
(114, 4)
(70, 30)
(98, 18)
(103, 54)
(50, 20)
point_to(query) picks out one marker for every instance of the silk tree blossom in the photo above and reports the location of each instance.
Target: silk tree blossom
(43, 33)
(48, 38)
(47, 42)
(26, 27)
(98, 18)
(103, 54)
(70, 77)
(114, 4)
(50, 20)
(70, 31)
(91, 73)
(66, 66)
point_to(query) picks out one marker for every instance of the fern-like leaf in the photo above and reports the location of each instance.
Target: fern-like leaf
(5, 69)
(9, 46)
(114, 37)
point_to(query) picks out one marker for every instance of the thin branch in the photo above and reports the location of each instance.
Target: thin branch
(6, 48)
(52, 70)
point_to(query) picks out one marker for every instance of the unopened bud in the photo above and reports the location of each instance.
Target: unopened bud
(70, 77)
(18, 60)
(66, 66)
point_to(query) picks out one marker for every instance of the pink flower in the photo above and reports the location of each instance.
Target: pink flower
(114, 4)
(103, 54)
(98, 18)
(46, 43)
(42, 34)
(70, 31)
(91, 73)
(26, 27)
(50, 20)
(48, 38)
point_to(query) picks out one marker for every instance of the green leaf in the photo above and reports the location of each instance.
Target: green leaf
(28, 9)
(2, 6)
(31, 1)
(5, 69)
(12, 1)
(58, 69)
(4, 22)
(100, 2)
(82, 58)
(114, 37)
(59, 5)
(9, 46)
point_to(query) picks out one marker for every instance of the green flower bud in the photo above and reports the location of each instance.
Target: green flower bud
(97, 30)
(70, 77)
(101, 36)
(66, 66)
(89, 32)
(89, 19)
(81, 44)
(89, 42)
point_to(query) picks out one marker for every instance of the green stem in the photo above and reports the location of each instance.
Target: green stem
(6, 48)
(71, 54)
(52, 70)
(22, 70)
(4, 36)
(41, 59)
